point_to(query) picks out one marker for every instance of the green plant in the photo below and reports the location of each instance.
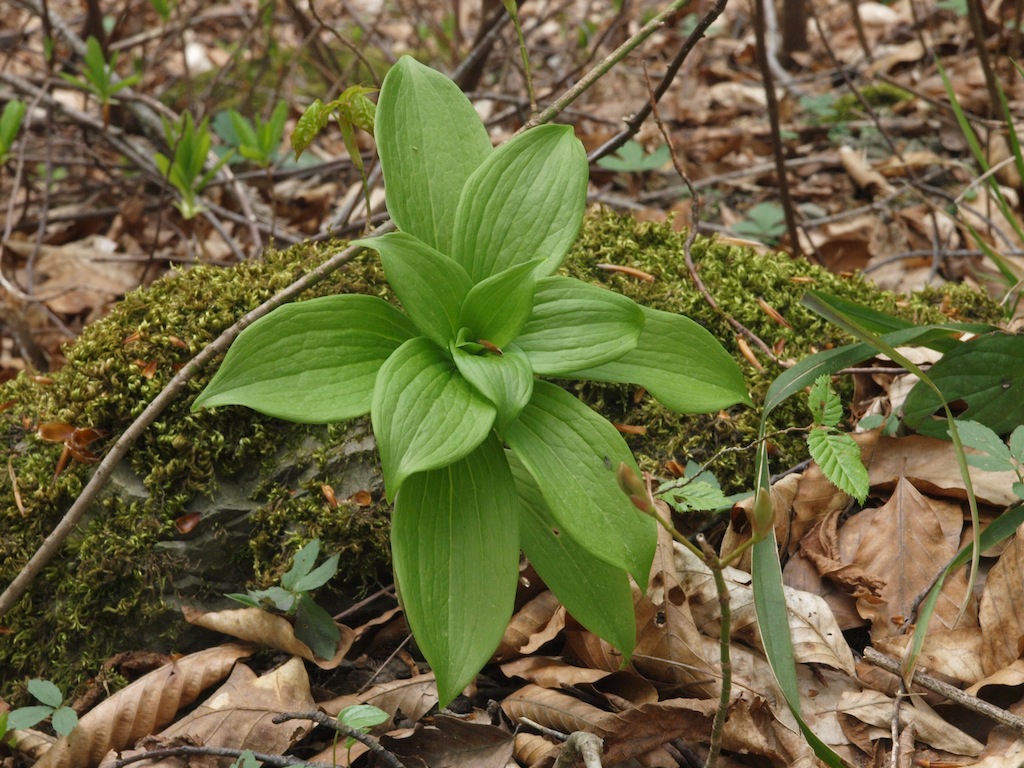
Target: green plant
(995, 455)
(765, 222)
(480, 457)
(313, 625)
(100, 77)
(190, 144)
(51, 705)
(359, 717)
(836, 452)
(631, 158)
(10, 124)
(259, 143)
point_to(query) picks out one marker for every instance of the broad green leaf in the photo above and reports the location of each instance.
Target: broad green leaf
(25, 717)
(455, 548)
(430, 139)
(363, 716)
(525, 201)
(572, 453)
(506, 380)
(997, 456)
(318, 576)
(597, 594)
(987, 373)
(575, 325)
(1017, 444)
(64, 721)
(430, 285)
(46, 692)
(312, 362)
(679, 363)
(838, 455)
(302, 564)
(497, 307)
(316, 628)
(823, 403)
(425, 414)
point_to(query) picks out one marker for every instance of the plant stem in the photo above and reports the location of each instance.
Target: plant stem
(513, 11)
(725, 658)
(605, 65)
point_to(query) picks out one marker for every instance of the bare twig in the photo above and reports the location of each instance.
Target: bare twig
(275, 761)
(387, 758)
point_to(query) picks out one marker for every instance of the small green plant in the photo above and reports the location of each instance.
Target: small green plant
(51, 705)
(190, 144)
(360, 717)
(994, 455)
(836, 452)
(480, 457)
(631, 158)
(765, 222)
(99, 77)
(695, 491)
(10, 124)
(313, 625)
(259, 143)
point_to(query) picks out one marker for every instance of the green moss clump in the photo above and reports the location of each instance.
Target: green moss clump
(113, 586)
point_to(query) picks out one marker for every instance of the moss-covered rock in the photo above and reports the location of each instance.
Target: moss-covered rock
(258, 484)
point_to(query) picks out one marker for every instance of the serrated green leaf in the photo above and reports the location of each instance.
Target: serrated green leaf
(679, 362)
(838, 455)
(354, 107)
(430, 139)
(572, 454)
(576, 325)
(823, 403)
(425, 414)
(525, 201)
(455, 549)
(309, 125)
(497, 308)
(318, 576)
(46, 692)
(506, 380)
(987, 373)
(302, 564)
(311, 362)
(64, 720)
(431, 286)
(597, 594)
(316, 628)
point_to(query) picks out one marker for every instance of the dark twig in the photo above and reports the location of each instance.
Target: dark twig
(275, 761)
(388, 758)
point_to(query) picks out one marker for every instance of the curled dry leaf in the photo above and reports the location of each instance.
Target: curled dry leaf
(144, 707)
(239, 714)
(538, 622)
(414, 697)
(551, 673)
(1000, 615)
(268, 630)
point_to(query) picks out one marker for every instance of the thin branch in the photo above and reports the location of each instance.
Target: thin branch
(387, 758)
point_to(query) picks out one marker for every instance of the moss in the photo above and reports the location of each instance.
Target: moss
(113, 584)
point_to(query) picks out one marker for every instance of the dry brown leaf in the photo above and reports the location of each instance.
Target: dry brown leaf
(550, 673)
(1001, 614)
(268, 630)
(931, 465)
(534, 750)
(539, 621)
(414, 697)
(453, 743)
(800, 573)
(906, 542)
(239, 714)
(817, 638)
(783, 492)
(955, 653)
(863, 175)
(142, 708)
(553, 710)
(640, 730)
(876, 709)
(1011, 676)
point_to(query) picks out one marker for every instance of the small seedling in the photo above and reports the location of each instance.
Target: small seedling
(51, 705)
(360, 717)
(765, 222)
(259, 143)
(313, 625)
(836, 452)
(190, 144)
(631, 158)
(99, 77)
(10, 124)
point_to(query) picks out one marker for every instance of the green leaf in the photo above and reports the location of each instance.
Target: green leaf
(431, 286)
(312, 362)
(525, 201)
(576, 325)
(64, 720)
(302, 564)
(430, 139)
(823, 403)
(997, 456)
(309, 125)
(455, 548)
(838, 455)
(498, 307)
(987, 373)
(1017, 444)
(425, 414)
(46, 692)
(361, 717)
(10, 124)
(316, 628)
(631, 158)
(243, 130)
(246, 600)
(680, 363)
(25, 717)
(572, 453)
(318, 576)
(597, 594)
(506, 380)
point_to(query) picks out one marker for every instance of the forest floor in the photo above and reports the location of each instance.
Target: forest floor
(880, 178)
